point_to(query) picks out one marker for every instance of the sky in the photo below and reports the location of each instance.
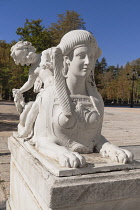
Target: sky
(114, 23)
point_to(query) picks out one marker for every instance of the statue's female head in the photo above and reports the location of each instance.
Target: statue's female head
(75, 43)
(22, 52)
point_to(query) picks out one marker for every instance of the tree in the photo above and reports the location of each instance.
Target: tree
(11, 75)
(112, 82)
(100, 70)
(103, 64)
(135, 74)
(70, 20)
(43, 38)
(5, 72)
(35, 33)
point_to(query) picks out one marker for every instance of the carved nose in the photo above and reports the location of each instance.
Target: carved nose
(86, 60)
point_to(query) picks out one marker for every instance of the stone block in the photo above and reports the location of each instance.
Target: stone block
(34, 186)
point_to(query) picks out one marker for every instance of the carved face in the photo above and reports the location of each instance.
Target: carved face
(19, 56)
(82, 62)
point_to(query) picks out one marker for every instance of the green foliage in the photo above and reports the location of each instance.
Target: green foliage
(103, 64)
(113, 82)
(70, 20)
(35, 33)
(11, 75)
(43, 38)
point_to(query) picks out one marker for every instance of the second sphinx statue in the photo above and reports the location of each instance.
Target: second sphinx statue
(66, 118)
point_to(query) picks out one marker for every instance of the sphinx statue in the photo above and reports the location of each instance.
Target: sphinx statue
(66, 118)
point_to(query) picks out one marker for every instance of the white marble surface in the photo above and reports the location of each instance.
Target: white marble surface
(43, 190)
(66, 118)
(95, 163)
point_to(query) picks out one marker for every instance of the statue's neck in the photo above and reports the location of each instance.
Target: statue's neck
(76, 85)
(34, 58)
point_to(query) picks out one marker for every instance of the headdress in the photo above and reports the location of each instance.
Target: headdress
(78, 37)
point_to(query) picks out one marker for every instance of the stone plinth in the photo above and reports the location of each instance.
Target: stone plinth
(39, 183)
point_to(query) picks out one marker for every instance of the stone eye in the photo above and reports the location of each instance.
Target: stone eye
(81, 55)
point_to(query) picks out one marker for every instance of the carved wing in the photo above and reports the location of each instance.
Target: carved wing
(60, 84)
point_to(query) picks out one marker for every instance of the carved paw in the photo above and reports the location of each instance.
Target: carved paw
(72, 160)
(116, 154)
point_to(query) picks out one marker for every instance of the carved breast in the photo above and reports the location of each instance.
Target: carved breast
(85, 125)
(86, 112)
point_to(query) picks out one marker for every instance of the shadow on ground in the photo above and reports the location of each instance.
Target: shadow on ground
(4, 126)
(7, 103)
(9, 116)
(3, 206)
(122, 106)
(135, 149)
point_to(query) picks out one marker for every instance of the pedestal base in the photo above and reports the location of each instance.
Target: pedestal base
(33, 185)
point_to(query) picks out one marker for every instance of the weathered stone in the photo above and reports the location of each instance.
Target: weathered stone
(66, 118)
(64, 122)
(95, 163)
(110, 190)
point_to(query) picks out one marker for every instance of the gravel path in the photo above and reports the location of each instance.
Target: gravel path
(122, 125)
(8, 123)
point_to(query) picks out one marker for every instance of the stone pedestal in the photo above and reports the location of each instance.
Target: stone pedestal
(39, 183)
